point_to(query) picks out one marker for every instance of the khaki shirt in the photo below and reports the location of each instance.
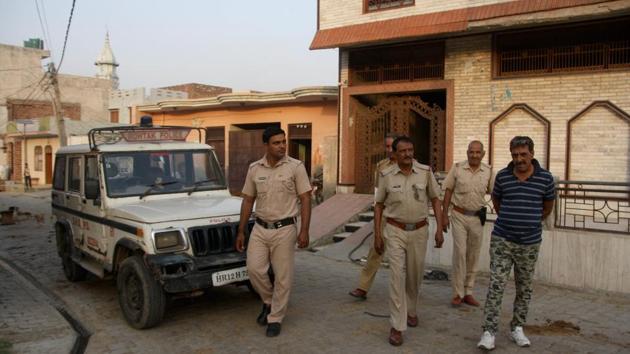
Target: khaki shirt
(380, 166)
(406, 198)
(469, 188)
(276, 189)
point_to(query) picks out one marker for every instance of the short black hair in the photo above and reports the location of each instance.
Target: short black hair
(271, 131)
(403, 139)
(522, 141)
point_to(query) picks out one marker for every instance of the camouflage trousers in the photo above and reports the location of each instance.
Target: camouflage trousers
(503, 256)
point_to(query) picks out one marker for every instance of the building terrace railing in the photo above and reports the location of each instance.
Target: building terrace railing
(593, 206)
(584, 205)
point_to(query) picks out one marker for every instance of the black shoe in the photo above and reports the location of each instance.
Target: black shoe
(273, 329)
(262, 318)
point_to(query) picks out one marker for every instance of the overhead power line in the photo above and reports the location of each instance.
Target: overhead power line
(41, 23)
(65, 41)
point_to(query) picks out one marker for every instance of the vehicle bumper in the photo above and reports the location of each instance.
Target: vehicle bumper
(182, 273)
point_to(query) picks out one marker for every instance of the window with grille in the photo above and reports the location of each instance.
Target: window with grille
(595, 47)
(375, 5)
(422, 61)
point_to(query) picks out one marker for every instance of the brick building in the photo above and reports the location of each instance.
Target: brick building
(25, 98)
(447, 72)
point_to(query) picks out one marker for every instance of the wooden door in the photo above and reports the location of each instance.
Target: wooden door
(245, 147)
(48, 162)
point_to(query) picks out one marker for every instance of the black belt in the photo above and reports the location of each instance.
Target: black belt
(276, 224)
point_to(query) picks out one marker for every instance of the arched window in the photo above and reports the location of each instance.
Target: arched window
(39, 158)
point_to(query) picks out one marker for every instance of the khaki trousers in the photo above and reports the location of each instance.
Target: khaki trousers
(275, 247)
(373, 263)
(405, 251)
(368, 272)
(467, 237)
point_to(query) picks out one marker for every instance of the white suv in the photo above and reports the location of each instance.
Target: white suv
(143, 204)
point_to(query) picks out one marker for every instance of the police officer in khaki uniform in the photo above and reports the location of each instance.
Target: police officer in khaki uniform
(465, 188)
(366, 278)
(280, 186)
(404, 191)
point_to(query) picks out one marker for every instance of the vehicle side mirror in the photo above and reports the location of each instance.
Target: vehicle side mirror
(92, 190)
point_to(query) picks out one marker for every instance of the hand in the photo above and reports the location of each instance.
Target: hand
(379, 245)
(240, 242)
(303, 239)
(445, 221)
(439, 239)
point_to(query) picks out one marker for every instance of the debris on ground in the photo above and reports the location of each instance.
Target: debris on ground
(553, 328)
(435, 274)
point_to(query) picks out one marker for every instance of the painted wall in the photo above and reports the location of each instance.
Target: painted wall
(577, 259)
(322, 115)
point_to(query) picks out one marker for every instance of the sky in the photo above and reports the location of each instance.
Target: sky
(242, 44)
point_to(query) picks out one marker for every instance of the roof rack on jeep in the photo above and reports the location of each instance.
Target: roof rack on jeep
(146, 132)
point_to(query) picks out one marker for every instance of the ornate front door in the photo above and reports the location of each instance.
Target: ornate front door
(393, 114)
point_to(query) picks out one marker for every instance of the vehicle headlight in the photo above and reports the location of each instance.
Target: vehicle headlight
(169, 240)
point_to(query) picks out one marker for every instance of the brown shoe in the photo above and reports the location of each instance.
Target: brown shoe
(395, 337)
(470, 300)
(358, 293)
(456, 301)
(412, 321)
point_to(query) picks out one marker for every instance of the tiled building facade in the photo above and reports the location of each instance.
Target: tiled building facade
(558, 71)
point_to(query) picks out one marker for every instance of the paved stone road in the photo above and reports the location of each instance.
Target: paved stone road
(322, 318)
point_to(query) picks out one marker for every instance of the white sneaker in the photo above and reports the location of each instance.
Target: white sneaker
(518, 337)
(487, 341)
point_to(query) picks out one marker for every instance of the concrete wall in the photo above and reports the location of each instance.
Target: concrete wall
(577, 259)
(125, 101)
(322, 116)
(338, 13)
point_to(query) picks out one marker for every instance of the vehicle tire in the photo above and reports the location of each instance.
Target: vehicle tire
(140, 296)
(71, 269)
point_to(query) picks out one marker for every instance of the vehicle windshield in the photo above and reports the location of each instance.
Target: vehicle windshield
(160, 172)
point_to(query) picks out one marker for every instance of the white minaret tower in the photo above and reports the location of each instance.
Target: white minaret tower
(107, 64)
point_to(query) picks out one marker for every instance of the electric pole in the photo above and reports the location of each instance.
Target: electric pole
(56, 103)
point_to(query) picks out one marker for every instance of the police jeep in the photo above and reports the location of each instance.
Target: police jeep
(142, 204)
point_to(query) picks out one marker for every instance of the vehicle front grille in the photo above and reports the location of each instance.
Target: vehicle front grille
(215, 239)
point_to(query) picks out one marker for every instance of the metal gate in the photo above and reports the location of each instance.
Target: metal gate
(392, 114)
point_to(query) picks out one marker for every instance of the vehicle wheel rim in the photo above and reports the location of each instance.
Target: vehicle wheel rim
(134, 295)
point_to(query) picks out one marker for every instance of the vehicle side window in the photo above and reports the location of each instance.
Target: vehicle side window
(74, 180)
(91, 168)
(59, 180)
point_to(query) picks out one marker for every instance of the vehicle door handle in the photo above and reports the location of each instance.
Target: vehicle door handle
(67, 197)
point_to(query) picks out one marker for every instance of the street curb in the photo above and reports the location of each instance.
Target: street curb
(82, 333)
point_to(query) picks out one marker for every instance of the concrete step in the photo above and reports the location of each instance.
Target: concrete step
(354, 226)
(367, 216)
(341, 236)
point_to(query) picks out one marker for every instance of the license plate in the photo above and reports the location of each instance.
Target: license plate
(229, 276)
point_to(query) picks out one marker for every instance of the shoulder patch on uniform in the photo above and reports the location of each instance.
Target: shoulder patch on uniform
(387, 170)
(294, 161)
(253, 164)
(421, 166)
